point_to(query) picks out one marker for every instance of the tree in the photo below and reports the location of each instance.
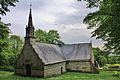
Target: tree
(4, 31)
(41, 35)
(106, 23)
(100, 56)
(114, 59)
(51, 37)
(10, 53)
(102, 60)
(92, 3)
(15, 44)
(4, 4)
(14, 48)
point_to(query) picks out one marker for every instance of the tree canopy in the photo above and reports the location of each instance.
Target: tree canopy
(4, 30)
(51, 37)
(11, 51)
(4, 4)
(106, 23)
(4, 33)
(92, 3)
(100, 56)
(14, 48)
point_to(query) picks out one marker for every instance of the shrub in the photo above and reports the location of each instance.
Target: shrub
(7, 68)
(102, 60)
(111, 67)
(115, 73)
(114, 60)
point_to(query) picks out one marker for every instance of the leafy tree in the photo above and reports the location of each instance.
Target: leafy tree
(105, 22)
(15, 43)
(4, 31)
(100, 56)
(4, 4)
(3, 59)
(114, 59)
(10, 53)
(101, 60)
(51, 37)
(92, 3)
(41, 35)
(14, 49)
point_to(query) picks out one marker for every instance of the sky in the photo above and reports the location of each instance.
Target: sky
(65, 16)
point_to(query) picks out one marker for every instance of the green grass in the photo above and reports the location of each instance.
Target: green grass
(105, 75)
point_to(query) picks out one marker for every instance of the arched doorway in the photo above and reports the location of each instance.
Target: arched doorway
(28, 69)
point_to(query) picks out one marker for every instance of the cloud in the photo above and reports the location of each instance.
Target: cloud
(66, 16)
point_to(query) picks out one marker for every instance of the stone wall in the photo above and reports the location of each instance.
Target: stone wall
(20, 71)
(54, 69)
(38, 68)
(28, 56)
(37, 73)
(78, 66)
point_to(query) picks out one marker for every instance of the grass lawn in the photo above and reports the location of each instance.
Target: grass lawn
(105, 75)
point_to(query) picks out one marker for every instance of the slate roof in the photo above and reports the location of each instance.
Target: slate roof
(53, 54)
(48, 53)
(81, 51)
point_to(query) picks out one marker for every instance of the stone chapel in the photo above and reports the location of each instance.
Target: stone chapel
(44, 60)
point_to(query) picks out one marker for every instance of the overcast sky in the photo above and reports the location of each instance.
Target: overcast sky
(66, 16)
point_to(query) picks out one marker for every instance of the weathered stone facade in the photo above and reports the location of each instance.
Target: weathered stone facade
(29, 57)
(54, 69)
(81, 66)
(44, 60)
(38, 68)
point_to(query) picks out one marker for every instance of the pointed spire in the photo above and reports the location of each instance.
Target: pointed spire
(30, 27)
(30, 22)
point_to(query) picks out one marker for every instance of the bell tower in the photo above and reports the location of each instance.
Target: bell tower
(29, 28)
